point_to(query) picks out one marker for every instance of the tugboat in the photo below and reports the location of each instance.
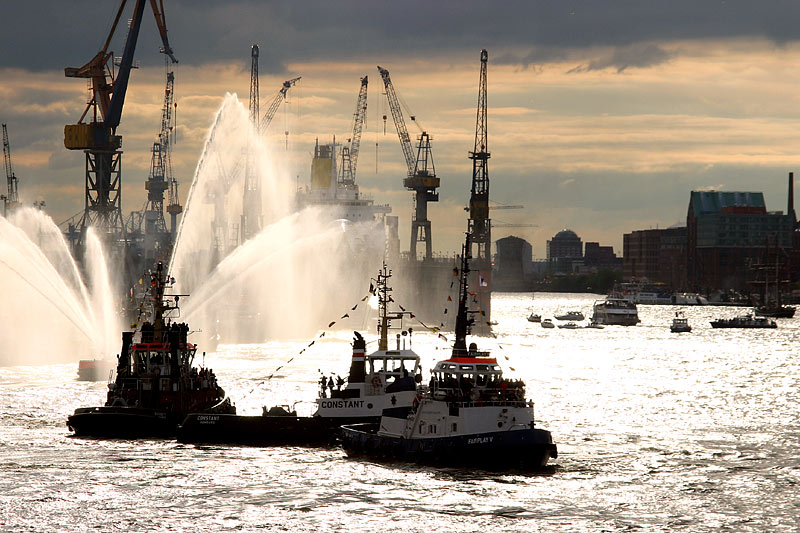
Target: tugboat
(744, 322)
(384, 379)
(469, 415)
(680, 324)
(156, 385)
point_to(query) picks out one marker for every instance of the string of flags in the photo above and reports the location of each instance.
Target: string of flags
(301, 352)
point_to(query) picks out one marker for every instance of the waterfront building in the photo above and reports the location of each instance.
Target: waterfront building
(727, 233)
(513, 265)
(564, 249)
(655, 255)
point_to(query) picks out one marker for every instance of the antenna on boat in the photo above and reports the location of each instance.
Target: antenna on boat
(384, 316)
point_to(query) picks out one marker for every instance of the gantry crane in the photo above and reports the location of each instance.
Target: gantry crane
(421, 176)
(347, 176)
(480, 227)
(11, 198)
(98, 137)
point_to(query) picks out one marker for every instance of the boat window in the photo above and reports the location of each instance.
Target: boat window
(455, 427)
(482, 367)
(466, 367)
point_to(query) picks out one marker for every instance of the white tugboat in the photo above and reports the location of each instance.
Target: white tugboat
(468, 415)
(383, 379)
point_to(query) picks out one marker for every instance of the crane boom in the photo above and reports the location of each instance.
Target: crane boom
(358, 125)
(11, 199)
(350, 153)
(276, 102)
(399, 122)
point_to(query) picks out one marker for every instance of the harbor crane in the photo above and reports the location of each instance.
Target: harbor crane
(276, 102)
(96, 130)
(157, 239)
(421, 176)
(347, 176)
(11, 198)
(480, 226)
(251, 201)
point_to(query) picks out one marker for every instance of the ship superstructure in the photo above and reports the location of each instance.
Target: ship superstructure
(156, 383)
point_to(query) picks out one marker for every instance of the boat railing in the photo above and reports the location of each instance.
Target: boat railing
(491, 403)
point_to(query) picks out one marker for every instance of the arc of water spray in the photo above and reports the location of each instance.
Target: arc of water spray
(56, 305)
(198, 168)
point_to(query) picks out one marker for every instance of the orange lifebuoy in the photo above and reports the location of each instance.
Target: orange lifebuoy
(376, 381)
(417, 398)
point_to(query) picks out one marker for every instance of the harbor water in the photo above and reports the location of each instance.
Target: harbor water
(656, 431)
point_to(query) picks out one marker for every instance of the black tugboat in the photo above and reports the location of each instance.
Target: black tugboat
(469, 415)
(382, 379)
(156, 385)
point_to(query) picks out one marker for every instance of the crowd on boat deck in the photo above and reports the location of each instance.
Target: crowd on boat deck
(494, 389)
(203, 379)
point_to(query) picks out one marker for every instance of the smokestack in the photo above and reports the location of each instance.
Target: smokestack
(357, 366)
(790, 205)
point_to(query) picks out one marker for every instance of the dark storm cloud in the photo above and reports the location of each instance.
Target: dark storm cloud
(53, 34)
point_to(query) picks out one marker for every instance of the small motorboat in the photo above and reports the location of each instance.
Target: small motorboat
(680, 324)
(594, 325)
(571, 315)
(568, 325)
(547, 323)
(533, 317)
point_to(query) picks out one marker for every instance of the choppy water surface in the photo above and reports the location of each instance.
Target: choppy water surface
(655, 431)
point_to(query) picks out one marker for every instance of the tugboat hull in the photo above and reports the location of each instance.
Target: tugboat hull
(526, 449)
(122, 423)
(262, 430)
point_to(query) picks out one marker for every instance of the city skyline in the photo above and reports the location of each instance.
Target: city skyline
(601, 120)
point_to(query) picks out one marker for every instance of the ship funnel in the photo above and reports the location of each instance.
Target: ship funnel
(123, 361)
(357, 366)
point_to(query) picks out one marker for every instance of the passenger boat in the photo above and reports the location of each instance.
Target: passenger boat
(533, 317)
(680, 324)
(156, 385)
(615, 311)
(385, 378)
(571, 315)
(744, 322)
(469, 414)
(547, 323)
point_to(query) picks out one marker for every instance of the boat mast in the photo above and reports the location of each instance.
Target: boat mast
(463, 320)
(384, 316)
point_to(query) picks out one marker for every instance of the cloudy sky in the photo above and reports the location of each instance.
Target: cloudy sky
(603, 115)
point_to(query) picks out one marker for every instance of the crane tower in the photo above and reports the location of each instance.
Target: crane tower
(251, 202)
(157, 239)
(480, 228)
(421, 176)
(96, 130)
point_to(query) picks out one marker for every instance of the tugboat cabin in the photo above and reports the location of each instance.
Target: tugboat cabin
(474, 377)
